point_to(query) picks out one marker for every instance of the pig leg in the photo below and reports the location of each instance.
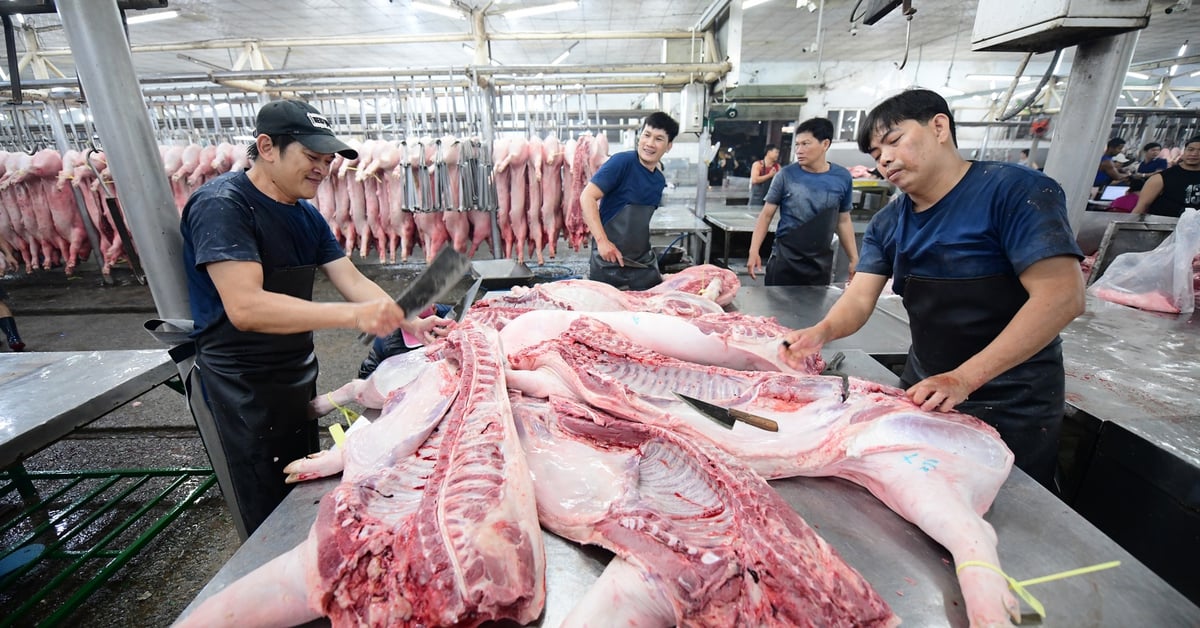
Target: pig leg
(275, 594)
(516, 215)
(622, 596)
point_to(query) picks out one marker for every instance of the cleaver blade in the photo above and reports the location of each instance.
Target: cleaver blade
(727, 416)
(435, 281)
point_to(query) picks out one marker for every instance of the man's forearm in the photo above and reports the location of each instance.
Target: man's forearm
(1047, 311)
(275, 313)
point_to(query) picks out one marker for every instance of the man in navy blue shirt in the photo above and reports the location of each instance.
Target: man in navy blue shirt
(987, 264)
(814, 199)
(1151, 164)
(618, 203)
(252, 244)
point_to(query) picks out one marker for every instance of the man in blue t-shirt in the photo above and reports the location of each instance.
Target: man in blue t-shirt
(618, 203)
(815, 198)
(1151, 164)
(987, 264)
(251, 245)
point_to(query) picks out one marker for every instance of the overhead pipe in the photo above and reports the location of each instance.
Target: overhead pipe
(356, 41)
(710, 70)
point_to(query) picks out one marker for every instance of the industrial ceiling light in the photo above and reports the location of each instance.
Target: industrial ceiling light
(440, 10)
(1194, 74)
(1137, 75)
(995, 77)
(539, 10)
(142, 18)
(1183, 49)
(750, 4)
(566, 53)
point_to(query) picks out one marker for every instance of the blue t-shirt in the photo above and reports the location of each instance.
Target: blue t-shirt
(802, 195)
(1102, 177)
(999, 219)
(1154, 165)
(625, 181)
(228, 219)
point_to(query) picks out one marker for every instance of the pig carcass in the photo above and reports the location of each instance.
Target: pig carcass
(702, 540)
(940, 471)
(443, 536)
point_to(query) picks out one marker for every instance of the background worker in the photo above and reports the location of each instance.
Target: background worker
(618, 203)
(252, 245)
(1109, 171)
(1152, 162)
(1170, 191)
(987, 264)
(761, 174)
(815, 197)
(8, 324)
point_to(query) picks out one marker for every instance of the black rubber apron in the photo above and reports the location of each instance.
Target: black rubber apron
(951, 321)
(804, 255)
(629, 231)
(257, 387)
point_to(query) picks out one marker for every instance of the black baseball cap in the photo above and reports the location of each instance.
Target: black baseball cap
(302, 121)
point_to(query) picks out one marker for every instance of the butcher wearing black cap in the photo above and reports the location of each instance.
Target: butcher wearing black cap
(252, 245)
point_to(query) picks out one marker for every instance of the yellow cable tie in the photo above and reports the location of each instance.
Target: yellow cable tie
(1019, 587)
(1071, 572)
(338, 434)
(1012, 583)
(348, 414)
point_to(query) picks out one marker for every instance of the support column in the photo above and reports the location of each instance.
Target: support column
(105, 67)
(1082, 128)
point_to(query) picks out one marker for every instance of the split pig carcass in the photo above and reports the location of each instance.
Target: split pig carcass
(587, 367)
(437, 530)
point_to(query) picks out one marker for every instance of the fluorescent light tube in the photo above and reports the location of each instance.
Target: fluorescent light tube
(440, 10)
(545, 8)
(142, 18)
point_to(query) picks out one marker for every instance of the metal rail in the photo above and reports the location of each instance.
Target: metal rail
(82, 544)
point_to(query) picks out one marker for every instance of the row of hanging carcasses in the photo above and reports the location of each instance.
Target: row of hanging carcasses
(397, 196)
(437, 192)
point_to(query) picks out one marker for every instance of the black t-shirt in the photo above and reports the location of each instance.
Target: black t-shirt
(1181, 188)
(228, 219)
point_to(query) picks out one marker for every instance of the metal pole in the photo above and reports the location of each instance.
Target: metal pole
(487, 114)
(105, 69)
(1097, 75)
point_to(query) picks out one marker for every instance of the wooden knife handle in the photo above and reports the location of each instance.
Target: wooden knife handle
(761, 423)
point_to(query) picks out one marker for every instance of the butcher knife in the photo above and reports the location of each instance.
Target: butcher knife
(726, 416)
(834, 367)
(467, 300)
(446, 270)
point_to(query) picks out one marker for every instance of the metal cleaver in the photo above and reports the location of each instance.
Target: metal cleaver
(727, 416)
(442, 274)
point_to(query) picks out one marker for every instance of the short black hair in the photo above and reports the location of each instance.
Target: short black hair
(279, 141)
(1151, 145)
(917, 104)
(1025, 151)
(1115, 142)
(1192, 141)
(662, 121)
(821, 128)
(769, 148)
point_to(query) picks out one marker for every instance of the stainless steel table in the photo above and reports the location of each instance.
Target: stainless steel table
(804, 306)
(45, 396)
(680, 219)
(735, 220)
(1038, 535)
